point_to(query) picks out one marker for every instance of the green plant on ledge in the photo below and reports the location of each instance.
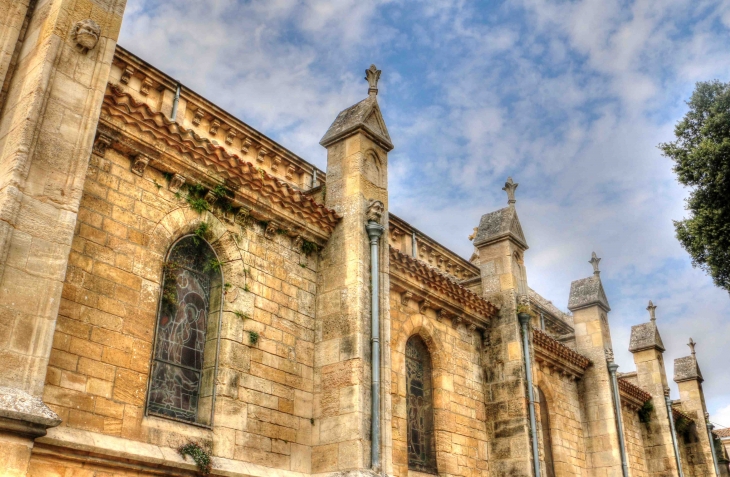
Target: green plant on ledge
(253, 338)
(682, 425)
(526, 309)
(200, 455)
(241, 314)
(308, 247)
(645, 412)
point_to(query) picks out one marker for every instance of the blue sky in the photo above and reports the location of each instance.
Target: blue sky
(568, 97)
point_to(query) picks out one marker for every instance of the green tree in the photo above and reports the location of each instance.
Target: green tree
(701, 154)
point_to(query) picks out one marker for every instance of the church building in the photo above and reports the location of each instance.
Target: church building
(182, 295)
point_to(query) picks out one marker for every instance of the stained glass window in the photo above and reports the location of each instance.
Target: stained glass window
(547, 442)
(191, 281)
(419, 407)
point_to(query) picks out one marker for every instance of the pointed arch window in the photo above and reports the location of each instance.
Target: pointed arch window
(182, 374)
(419, 407)
(547, 441)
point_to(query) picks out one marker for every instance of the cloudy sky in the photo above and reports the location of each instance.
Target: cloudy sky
(569, 97)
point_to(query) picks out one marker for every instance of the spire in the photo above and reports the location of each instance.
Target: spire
(692, 345)
(686, 368)
(652, 311)
(510, 186)
(595, 261)
(372, 74)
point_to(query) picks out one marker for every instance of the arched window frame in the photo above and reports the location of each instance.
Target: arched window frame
(203, 419)
(430, 464)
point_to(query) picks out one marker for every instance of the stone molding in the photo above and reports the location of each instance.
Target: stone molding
(551, 353)
(121, 106)
(632, 395)
(412, 268)
(24, 414)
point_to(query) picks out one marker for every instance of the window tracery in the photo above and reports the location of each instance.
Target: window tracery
(419, 407)
(188, 312)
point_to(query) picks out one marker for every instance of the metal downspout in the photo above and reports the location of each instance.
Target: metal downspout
(414, 245)
(375, 230)
(524, 321)
(674, 433)
(712, 443)
(175, 101)
(612, 367)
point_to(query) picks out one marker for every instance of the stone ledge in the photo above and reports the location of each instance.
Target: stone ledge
(22, 413)
(77, 444)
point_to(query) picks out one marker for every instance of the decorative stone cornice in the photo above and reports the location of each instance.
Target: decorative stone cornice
(553, 354)
(157, 129)
(632, 395)
(413, 269)
(24, 414)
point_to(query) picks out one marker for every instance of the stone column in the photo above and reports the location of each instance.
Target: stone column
(689, 379)
(55, 86)
(500, 245)
(651, 376)
(590, 309)
(357, 158)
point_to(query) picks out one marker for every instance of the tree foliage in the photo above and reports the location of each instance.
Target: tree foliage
(701, 154)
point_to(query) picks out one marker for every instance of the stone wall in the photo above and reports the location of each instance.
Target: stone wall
(633, 435)
(458, 391)
(566, 433)
(99, 366)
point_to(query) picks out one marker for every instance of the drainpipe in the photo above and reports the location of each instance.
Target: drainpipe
(524, 320)
(712, 443)
(414, 245)
(375, 230)
(173, 115)
(674, 433)
(542, 321)
(612, 367)
(314, 179)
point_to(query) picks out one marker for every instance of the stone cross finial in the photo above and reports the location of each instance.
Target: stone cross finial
(651, 309)
(595, 261)
(510, 187)
(372, 74)
(692, 345)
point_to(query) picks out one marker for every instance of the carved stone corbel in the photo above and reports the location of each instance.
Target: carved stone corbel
(297, 242)
(86, 33)
(199, 115)
(271, 229)
(245, 144)
(457, 321)
(230, 136)
(290, 171)
(423, 306)
(127, 74)
(441, 315)
(214, 125)
(210, 197)
(140, 164)
(405, 298)
(176, 183)
(472, 327)
(374, 211)
(145, 88)
(263, 152)
(243, 216)
(275, 163)
(101, 143)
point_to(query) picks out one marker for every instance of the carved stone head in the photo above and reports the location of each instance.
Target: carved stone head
(86, 33)
(375, 211)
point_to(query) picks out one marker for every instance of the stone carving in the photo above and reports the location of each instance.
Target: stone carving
(457, 321)
(472, 327)
(271, 229)
(375, 211)
(210, 197)
(176, 183)
(262, 154)
(440, 315)
(214, 125)
(372, 74)
(275, 163)
(199, 114)
(473, 234)
(102, 142)
(405, 298)
(290, 171)
(230, 136)
(423, 306)
(146, 85)
(609, 355)
(243, 216)
(595, 261)
(651, 309)
(127, 74)
(692, 345)
(510, 187)
(140, 164)
(297, 242)
(86, 33)
(245, 144)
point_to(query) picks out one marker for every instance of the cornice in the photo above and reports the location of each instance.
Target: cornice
(236, 172)
(632, 395)
(552, 354)
(411, 269)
